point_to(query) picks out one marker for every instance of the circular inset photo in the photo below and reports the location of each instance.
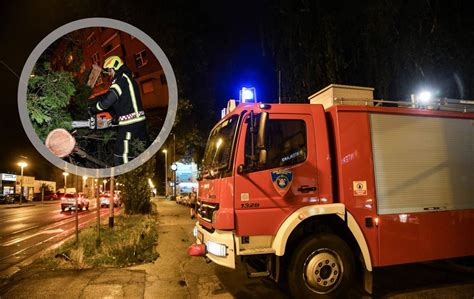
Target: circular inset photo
(98, 97)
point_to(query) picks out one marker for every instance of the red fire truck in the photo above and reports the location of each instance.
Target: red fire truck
(318, 194)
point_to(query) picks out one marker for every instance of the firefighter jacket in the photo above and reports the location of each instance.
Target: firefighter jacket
(123, 97)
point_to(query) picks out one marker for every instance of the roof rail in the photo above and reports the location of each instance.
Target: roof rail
(444, 104)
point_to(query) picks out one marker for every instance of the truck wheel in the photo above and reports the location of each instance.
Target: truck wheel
(321, 265)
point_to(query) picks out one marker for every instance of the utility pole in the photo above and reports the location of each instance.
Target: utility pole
(77, 211)
(174, 170)
(166, 172)
(96, 191)
(22, 165)
(111, 200)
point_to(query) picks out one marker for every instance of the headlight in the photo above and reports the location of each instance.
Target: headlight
(195, 231)
(216, 248)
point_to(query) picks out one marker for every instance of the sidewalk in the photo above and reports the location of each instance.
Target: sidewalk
(173, 275)
(28, 204)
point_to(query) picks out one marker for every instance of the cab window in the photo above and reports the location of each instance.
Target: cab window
(285, 143)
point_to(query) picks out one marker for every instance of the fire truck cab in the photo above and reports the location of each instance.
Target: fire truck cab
(316, 194)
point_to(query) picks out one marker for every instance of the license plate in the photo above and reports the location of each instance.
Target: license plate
(200, 237)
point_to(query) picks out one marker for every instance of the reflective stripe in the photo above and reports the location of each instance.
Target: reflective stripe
(131, 121)
(128, 136)
(131, 116)
(132, 94)
(98, 107)
(117, 88)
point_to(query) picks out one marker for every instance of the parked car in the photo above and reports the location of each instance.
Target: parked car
(105, 200)
(179, 198)
(48, 195)
(68, 201)
(16, 198)
(6, 199)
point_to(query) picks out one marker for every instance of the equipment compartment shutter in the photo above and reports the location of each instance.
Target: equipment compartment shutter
(422, 163)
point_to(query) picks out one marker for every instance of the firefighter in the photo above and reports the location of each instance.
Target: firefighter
(123, 101)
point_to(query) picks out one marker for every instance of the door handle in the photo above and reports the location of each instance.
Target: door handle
(306, 189)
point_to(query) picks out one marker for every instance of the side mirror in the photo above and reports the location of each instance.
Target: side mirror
(240, 169)
(199, 176)
(262, 157)
(262, 151)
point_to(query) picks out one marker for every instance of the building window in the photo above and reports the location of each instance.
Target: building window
(163, 79)
(140, 58)
(147, 86)
(83, 68)
(69, 59)
(111, 43)
(96, 58)
(108, 48)
(91, 39)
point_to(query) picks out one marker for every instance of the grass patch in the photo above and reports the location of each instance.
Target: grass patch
(132, 241)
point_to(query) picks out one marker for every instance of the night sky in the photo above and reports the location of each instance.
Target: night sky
(216, 48)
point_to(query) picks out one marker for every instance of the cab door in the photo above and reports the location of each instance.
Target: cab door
(266, 194)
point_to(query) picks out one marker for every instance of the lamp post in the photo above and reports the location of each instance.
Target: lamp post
(65, 174)
(84, 180)
(174, 167)
(166, 172)
(97, 214)
(174, 163)
(22, 165)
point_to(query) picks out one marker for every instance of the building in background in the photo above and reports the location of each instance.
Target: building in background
(48, 184)
(28, 186)
(81, 49)
(186, 177)
(7, 183)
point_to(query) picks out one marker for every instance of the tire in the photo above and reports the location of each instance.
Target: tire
(62, 209)
(87, 208)
(321, 266)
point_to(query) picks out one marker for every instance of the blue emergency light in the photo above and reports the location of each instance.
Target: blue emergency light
(248, 94)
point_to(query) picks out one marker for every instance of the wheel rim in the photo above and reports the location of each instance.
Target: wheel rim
(323, 271)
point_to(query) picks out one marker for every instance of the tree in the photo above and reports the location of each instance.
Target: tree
(136, 190)
(48, 97)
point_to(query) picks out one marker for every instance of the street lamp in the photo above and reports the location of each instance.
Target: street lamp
(174, 167)
(166, 172)
(22, 165)
(65, 174)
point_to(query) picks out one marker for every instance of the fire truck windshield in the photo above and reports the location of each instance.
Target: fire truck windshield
(219, 147)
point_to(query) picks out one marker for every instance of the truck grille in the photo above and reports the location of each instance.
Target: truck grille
(206, 210)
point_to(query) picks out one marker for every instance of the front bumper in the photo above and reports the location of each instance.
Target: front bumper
(219, 245)
(69, 205)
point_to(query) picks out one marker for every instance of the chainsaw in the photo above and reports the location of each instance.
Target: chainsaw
(94, 122)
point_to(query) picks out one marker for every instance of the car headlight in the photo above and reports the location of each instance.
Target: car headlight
(195, 231)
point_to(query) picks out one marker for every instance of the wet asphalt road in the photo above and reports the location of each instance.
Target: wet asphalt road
(29, 229)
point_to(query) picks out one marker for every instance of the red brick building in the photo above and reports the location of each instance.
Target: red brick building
(98, 43)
